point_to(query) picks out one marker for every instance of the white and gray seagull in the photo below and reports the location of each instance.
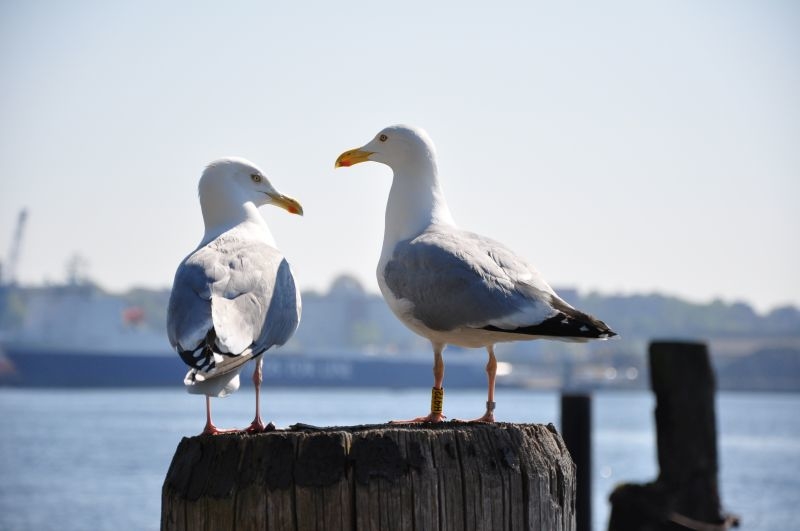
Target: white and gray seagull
(452, 286)
(234, 296)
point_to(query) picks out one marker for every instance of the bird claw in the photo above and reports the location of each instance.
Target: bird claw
(433, 417)
(258, 427)
(255, 427)
(487, 418)
(210, 429)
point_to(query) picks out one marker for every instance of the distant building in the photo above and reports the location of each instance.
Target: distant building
(348, 317)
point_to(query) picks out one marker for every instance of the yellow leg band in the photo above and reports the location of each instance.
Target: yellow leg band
(437, 400)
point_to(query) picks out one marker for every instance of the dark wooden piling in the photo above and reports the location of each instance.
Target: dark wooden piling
(576, 428)
(447, 476)
(685, 495)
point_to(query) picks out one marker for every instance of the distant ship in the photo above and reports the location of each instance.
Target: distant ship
(79, 336)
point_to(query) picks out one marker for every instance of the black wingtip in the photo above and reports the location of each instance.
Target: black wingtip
(202, 357)
(576, 326)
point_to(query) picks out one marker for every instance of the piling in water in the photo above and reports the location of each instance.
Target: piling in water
(685, 495)
(576, 428)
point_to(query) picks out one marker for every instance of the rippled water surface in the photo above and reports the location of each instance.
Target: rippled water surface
(96, 459)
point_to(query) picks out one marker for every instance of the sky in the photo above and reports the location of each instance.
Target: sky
(622, 147)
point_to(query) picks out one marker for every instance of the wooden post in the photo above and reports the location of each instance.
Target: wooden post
(685, 492)
(448, 476)
(576, 428)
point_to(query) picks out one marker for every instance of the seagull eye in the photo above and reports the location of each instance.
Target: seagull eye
(256, 178)
(383, 138)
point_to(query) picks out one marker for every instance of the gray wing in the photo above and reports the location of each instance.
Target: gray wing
(283, 314)
(454, 278)
(231, 299)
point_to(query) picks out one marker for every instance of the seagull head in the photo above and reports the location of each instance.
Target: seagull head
(236, 180)
(395, 146)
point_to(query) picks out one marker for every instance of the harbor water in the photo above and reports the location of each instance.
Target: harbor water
(96, 459)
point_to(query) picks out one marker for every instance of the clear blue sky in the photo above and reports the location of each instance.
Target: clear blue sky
(620, 147)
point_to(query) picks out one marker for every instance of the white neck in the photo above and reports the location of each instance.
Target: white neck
(416, 201)
(224, 209)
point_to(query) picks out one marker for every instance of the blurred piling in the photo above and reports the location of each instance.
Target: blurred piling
(686, 494)
(447, 476)
(576, 429)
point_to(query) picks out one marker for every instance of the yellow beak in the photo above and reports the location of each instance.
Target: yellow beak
(287, 203)
(354, 156)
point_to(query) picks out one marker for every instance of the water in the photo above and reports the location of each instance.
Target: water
(96, 459)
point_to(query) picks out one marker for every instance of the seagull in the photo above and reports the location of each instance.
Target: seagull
(452, 286)
(234, 296)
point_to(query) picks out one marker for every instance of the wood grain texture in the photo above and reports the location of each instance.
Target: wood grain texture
(443, 477)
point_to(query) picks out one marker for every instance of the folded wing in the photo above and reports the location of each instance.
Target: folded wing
(457, 279)
(231, 300)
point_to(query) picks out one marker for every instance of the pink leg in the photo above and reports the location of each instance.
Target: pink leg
(438, 379)
(257, 426)
(491, 373)
(210, 429)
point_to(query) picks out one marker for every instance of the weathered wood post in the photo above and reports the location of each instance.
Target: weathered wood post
(447, 476)
(685, 495)
(576, 429)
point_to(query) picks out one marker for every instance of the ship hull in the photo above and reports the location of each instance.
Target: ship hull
(32, 367)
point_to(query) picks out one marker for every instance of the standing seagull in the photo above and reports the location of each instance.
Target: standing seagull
(453, 286)
(234, 296)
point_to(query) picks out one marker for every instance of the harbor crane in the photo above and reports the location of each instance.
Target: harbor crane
(10, 270)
